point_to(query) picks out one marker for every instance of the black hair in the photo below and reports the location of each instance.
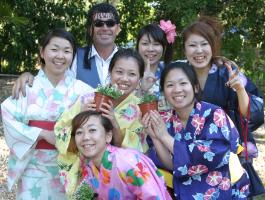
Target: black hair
(154, 31)
(97, 8)
(61, 33)
(128, 53)
(190, 73)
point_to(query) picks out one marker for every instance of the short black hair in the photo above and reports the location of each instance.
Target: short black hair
(61, 33)
(128, 53)
(188, 70)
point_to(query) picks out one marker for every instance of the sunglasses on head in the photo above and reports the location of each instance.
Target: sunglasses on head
(109, 23)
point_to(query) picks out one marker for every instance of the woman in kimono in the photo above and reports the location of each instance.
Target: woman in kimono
(28, 121)
(126, 69)
(222, 84)
(155, 45)
(195, 139)
(113, 172)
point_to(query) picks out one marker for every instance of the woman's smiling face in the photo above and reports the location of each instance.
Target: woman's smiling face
(126, 74)
(178, 90)
(198, 51)
(91, 139)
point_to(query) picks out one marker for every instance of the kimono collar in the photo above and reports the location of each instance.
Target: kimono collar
(66, 80)
(171, 116)
(106, 163)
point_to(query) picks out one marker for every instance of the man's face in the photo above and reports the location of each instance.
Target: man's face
(104, 29)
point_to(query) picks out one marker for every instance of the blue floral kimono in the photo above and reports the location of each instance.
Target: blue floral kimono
(201, 154)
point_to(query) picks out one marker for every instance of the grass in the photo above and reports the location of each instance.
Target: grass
(260, 197)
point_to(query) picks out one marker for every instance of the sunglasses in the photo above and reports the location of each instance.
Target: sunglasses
(109, 23)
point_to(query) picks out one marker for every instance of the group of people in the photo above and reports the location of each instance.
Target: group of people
(58, 140)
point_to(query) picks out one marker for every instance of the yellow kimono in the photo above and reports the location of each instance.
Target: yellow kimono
(127, 114)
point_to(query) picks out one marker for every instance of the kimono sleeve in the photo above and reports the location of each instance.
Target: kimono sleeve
(210, 149)
(19, 137)
(256, 106)
(62, 128)
(134, 137)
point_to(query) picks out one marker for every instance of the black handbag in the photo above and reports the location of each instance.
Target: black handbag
(256, 186)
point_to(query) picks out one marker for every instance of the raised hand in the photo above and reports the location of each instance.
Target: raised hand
(158, 124)
(147, 125)
(235, 81)
(89, 105)
(149, 77)
(107, 110)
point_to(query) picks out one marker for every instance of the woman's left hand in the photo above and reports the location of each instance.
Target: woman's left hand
(234, 79)
(149, 78)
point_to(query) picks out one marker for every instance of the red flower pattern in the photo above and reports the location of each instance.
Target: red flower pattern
(142, 171)
(198, 169)
(203, 148)
(198, 123)
(166, 115)
(225, 184)
(177, 124)
(219, 118)
(244, 188)
(214, 178)
(208, 194)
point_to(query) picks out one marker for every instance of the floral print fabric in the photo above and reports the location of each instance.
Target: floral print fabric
(125, 174)
(201, 154)
(36, 170)
(127, 114)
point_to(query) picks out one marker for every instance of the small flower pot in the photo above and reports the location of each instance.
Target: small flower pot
(101, 98)
(145, 107)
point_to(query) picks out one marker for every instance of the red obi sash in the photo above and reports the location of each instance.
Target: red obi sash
(46, 125)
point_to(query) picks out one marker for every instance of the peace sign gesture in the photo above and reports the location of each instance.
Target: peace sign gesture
(149, 77)
(234, 78)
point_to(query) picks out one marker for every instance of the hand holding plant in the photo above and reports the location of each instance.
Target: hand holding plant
(148, 102)
(104, 94)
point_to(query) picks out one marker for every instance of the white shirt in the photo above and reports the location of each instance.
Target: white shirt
(102, 65)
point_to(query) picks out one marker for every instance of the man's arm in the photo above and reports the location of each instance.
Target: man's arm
(20, 84)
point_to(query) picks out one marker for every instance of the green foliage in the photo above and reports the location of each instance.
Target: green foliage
(244, 29)
(109, 91)
(7, 15)
(83, 192)
(20, 44)
(24, 22)
(148, 98)
(139, 13)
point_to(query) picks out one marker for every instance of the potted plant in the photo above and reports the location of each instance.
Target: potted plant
(105, 93)
(148, 102)
(84, 192)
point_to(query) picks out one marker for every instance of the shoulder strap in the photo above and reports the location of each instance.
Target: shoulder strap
(244, 127)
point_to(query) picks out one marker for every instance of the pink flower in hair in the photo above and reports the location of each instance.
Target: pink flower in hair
(169, 29)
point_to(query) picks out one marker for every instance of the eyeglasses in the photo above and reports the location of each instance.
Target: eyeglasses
(109, 23)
